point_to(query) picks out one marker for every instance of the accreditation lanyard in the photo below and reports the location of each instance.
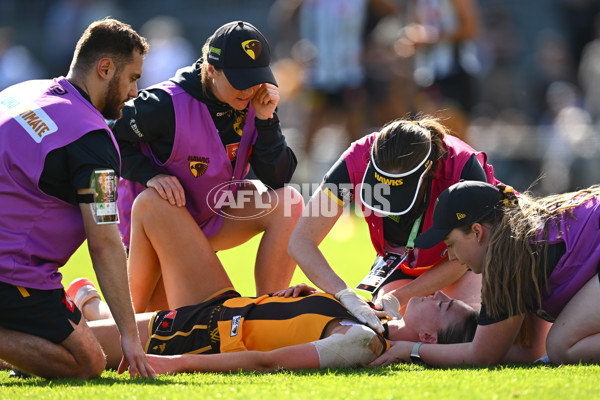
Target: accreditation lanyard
(410, 244)
(384, 266)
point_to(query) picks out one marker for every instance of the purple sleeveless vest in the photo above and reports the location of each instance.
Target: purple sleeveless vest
(448, 172)
(581, 260)
(198, 160)
(38, 232)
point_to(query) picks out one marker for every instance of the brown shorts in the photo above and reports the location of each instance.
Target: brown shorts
(43, 313)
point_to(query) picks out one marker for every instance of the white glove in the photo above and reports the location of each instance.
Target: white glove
(359, 307)
(390, 304)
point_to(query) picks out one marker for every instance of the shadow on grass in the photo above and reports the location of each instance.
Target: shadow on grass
(111, 378)
(502, 367)
(40, 382)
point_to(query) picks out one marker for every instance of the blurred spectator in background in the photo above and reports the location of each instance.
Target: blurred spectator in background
(579, 18)
(64, 23)
(389, 63)
(502, 46)
(332, 38)
(589, 73)
(510, 52)
(325, 42)
(169, 49)
(552, 63)
(446, 62)
(17, 64)
(571, 143)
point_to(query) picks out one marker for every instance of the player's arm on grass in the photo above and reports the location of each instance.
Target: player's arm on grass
(490, 346)
(291, 357)
(109, 262)
(350, 346)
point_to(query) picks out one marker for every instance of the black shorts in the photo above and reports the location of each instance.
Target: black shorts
(189, 329)
(42, 313)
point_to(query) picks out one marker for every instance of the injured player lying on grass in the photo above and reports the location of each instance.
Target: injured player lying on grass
(296, 328)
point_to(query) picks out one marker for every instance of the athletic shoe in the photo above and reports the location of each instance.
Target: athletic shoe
(17, 373)
(81, 291)
(543, 360)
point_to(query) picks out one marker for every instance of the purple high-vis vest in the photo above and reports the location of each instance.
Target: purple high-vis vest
(198, 159)
(581, 260)
(449, 169)
(38, 232)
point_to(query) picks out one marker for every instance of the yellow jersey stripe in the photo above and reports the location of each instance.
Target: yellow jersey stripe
(180, 333)
(200, 350)
(333, 197)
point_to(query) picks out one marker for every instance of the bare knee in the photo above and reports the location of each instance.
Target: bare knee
(88, 357)
(291, 201)
(87, 362)
(149, 208)
(92, 365)
(558, 347)
(148, 200)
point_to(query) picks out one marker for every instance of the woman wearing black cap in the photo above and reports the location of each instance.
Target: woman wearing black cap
(537, 256)
(395, 173)
(193, 139)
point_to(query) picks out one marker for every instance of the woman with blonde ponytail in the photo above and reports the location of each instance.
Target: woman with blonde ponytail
(537, 256)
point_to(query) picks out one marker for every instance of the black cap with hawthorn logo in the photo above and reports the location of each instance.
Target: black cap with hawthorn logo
(242, 52)
(461, 204)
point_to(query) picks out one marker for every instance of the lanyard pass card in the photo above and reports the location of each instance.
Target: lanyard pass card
(384, 266)
(381, 270)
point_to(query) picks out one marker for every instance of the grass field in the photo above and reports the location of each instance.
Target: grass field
(348, 248)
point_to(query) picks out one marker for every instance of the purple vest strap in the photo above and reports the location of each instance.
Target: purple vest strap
(38, 233)
(448, 172)
(198, 160)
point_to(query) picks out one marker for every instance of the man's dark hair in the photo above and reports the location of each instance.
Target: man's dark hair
(107, 38)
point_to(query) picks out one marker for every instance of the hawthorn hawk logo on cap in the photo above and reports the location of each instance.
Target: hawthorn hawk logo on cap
(253, 48)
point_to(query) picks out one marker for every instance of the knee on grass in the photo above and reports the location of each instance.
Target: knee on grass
(559, 350)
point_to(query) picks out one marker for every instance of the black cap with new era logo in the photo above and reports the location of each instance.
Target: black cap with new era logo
(242, 52)
(461, 204)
